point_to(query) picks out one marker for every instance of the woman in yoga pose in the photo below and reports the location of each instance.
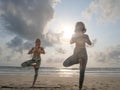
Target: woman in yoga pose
(80, 54)
(36, 60)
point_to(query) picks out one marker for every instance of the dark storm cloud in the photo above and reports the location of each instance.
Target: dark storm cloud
(27, 18)
(15, 44)
(28, 45)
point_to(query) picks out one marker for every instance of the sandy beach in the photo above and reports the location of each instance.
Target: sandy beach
(50, 82)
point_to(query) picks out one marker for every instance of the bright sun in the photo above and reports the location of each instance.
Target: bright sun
(67, 32)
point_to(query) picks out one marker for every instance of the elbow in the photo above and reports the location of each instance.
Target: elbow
(43, 52)
(71, 43)
(29, 53)
(90, 43)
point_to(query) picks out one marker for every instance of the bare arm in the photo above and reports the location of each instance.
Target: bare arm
(42, 50)
(87, 40)
(72, 40)
(31, 51)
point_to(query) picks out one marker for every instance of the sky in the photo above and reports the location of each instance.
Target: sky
(53, 21)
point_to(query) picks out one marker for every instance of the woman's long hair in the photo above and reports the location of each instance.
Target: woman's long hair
(80, 23)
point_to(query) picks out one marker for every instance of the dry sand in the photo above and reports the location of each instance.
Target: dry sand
(50, 82)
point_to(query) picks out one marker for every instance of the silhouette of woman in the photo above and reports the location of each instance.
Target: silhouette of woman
(36, 60)
(80, 54)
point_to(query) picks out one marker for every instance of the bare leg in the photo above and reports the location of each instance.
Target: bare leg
(82, 71)
(35, 76)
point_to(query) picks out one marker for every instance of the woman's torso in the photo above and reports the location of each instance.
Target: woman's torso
(36, 52)
(80, 48)
(79, 40)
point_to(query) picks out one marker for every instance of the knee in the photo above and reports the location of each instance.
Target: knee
(22, 65)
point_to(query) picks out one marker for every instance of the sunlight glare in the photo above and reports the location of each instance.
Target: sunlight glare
(67, 31)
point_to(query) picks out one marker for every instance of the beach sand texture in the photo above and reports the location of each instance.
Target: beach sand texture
(50, 82)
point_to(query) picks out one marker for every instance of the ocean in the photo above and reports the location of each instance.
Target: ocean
(56, 71)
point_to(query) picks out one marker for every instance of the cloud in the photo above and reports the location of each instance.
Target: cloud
(17, 44)
(5, 57)
(27, 18)
(0, 51)
(54, 37)
(60, 50)
(27, 45)
(56, 62)
(104, 10)
(109, 56)
(14, 56)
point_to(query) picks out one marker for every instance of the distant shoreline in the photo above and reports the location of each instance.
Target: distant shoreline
(57, 71)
